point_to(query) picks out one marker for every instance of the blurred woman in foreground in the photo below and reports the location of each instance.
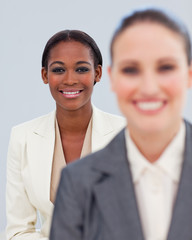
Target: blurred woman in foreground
(139, 186)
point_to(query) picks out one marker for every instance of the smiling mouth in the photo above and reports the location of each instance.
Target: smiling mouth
(150, 106)
(70, 93)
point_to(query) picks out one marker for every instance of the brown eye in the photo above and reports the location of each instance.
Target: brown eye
(166, 67)
(82, 69)
(130, 70)
(58, 70)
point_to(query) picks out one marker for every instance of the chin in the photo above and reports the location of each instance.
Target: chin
(148, 127)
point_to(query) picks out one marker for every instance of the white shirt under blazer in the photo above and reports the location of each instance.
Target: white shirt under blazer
(29, 166)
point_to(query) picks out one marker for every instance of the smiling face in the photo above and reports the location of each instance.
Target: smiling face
(71, 75)
(150, 76)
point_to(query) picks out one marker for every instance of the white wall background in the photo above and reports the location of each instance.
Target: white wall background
(25, 27)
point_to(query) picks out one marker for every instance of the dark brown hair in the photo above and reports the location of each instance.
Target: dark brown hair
(155, 16)
(72, 35)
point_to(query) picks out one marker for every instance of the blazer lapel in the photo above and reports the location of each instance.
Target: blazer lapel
(101, 130)
(181, 227)
(40, 148)
(115, 195)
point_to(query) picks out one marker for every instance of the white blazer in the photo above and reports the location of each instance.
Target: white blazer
(29, 167)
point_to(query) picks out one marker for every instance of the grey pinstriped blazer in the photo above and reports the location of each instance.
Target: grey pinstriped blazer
(96, 199)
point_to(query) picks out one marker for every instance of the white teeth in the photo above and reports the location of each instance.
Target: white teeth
(149, 105)
(71, 93)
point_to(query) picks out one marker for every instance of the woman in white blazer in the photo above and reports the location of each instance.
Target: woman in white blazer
(39, 149)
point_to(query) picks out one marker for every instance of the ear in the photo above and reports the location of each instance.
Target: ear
(109, 70)
(44, 75)
(190, 76)
(98, 73)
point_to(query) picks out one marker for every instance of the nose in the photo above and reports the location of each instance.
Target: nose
(149, 84)
(70, 78)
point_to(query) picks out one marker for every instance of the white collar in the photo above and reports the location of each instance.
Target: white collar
(170, 161)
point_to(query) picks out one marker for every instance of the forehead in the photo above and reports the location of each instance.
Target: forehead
(70, 49)
(148, 38)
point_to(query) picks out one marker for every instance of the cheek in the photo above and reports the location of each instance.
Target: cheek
(175, 86)
(87, 79)
(124, 88)
(52, 79)
(53, 86)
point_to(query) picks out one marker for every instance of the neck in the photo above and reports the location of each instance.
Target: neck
(152, 145)
(73, 122)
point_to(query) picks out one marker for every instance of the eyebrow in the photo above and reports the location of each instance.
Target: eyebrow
(160, 60)
(79, 62)
(128, 61)
(168, 59)
(56, 62)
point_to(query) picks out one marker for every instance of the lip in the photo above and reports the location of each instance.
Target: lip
(150, 106)
(71, 93)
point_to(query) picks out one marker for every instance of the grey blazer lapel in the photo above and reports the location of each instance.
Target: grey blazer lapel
(114, 192)
(181, 225)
